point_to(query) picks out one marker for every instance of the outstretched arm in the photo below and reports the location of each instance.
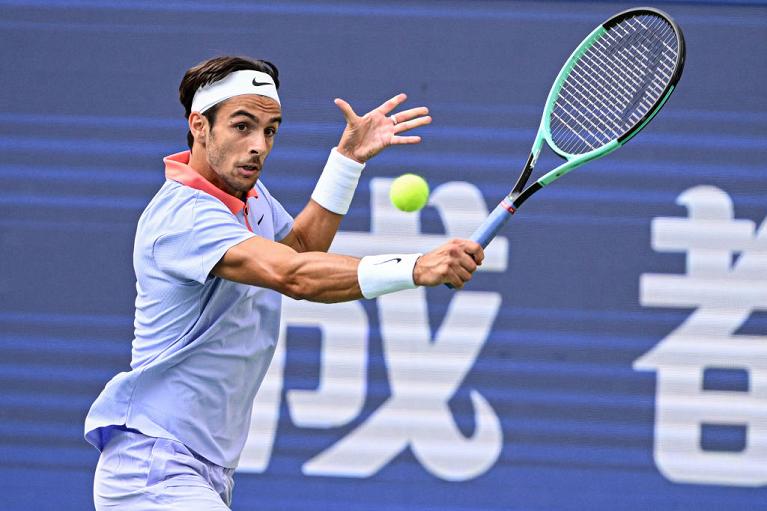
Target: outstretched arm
(363, 138)
(321, 277)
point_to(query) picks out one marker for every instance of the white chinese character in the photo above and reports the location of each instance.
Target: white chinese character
(726, 281)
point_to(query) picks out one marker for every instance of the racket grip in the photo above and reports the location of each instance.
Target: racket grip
(492, 224)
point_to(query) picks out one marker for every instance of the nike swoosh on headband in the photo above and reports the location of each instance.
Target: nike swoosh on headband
(234, 84)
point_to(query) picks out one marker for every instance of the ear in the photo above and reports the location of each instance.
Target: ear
(198, 127)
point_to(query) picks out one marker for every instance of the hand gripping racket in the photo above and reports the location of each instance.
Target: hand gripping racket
(612, 85)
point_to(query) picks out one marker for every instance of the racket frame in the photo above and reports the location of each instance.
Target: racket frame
(519, 194)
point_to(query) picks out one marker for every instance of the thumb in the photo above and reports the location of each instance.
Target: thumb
(346, 109)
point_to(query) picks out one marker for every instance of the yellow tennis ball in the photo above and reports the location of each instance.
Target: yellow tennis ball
(409, 192)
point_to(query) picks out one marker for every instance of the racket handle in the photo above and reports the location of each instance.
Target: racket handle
(492, 224)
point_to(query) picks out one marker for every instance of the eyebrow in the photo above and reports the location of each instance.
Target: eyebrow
(249, 115)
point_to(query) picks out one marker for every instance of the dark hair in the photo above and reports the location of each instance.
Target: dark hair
(213, 70)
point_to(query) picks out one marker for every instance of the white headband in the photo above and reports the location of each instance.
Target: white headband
(234, 84)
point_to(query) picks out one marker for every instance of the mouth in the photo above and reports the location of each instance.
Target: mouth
(249, 170)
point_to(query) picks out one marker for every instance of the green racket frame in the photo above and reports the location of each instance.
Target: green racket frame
(508, 206)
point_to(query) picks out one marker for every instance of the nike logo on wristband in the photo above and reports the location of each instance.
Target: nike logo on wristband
(395, 259)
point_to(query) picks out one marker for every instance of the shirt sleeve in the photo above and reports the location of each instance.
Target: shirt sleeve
(190, 254)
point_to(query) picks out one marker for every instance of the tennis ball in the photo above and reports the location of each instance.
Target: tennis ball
(409, 192)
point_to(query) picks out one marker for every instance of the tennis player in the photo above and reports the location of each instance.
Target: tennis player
(213, 253)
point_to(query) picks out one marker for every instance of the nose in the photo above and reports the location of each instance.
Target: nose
(257, 144)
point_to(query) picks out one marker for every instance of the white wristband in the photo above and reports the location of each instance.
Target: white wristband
(335, 188)
(381, 274)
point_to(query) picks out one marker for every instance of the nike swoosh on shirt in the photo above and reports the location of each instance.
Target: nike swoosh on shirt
(259, 220)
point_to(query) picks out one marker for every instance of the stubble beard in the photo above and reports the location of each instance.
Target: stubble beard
(228, 177)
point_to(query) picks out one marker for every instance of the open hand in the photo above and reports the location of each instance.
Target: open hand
(366, 136)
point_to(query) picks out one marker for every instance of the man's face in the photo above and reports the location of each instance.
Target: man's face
(240, 140)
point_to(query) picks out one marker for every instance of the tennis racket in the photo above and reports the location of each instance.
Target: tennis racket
(612, 85)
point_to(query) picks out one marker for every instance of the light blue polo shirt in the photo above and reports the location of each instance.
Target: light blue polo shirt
(202, 344)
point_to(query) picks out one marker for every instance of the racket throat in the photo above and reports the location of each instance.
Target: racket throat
(524, 175)
(516, 199)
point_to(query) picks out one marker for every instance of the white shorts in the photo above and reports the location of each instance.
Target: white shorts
(138, 472)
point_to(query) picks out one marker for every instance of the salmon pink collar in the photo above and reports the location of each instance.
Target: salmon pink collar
(177, 169)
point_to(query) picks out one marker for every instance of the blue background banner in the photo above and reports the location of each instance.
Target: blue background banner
(612, 354)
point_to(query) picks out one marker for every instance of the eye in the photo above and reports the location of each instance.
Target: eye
(270, 132)
(241, 126)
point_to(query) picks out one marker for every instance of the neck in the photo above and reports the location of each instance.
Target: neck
(199, 162)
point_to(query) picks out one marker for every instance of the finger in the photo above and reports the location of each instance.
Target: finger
(409, 125)
(463, 275)
(467, 262)
(405, 140)
(346, 109)
(454, 281)
(479, 256)
(412, 113)
(392, 103)
(449, 275)
(475, 250)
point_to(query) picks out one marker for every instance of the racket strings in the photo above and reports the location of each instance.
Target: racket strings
(653, 79)
(626, 82)
(614, 83)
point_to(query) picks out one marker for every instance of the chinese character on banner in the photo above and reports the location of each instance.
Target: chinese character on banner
(725, 282)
